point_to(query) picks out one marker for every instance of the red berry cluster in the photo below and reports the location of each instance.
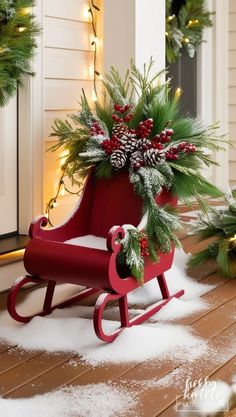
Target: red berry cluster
(172, 153)
(164, 136)
(96, 129)
(110, 145)
(138, 164)
(126, 117)
(144, 128)
(144, 245)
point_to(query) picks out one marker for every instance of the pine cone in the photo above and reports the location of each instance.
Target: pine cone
(118, 159)
(136, 160)
(128, 142)
(152, 157)
(144, 144)
(119, 129)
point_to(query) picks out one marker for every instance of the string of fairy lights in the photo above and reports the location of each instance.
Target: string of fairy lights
(92, 12)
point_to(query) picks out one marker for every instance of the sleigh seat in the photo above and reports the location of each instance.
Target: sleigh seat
(84, 251)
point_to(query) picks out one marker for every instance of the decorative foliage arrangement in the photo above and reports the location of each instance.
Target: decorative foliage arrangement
(152, 141)
(17, 44)
(184, 27)
(221, 226)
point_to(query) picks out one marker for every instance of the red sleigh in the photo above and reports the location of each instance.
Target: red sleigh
(64, 255)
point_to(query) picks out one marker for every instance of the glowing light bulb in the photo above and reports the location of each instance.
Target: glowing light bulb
(25, 10)
(233, 240)
(91, 71)
(21, 29)
(169, 18)
(87, 13)
(167, 33)
(95, 40)
(186, 40)
(94, 96)
(100, 77)
(54, 204)
(178, 91)
(62, 190)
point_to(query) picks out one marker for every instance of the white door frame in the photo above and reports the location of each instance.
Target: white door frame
(212, 82)
(31, 137)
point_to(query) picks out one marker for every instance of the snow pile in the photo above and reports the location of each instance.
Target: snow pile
(138, 343)
(71, 329)
(85, 401)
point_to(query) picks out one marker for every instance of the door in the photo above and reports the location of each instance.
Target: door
(8, 168)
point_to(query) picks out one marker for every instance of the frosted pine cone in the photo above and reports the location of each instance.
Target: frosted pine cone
(152, 157)
(136, 160)
(119, 129)
(128, 142)
(118, 159)
(144, 144)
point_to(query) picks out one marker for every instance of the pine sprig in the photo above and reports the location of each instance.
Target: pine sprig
(220, 225)
(18, 31)
(151, 141)
(184, 30)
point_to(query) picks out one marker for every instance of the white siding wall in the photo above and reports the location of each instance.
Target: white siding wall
(232, 90)
(68, 55)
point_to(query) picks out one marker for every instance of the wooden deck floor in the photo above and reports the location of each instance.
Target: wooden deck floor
(24, 373)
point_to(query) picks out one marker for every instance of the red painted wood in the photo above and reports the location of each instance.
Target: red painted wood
(104, 207)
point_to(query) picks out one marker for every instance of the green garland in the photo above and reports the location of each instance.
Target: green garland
(185, 29)
(220, 225)
(17, 44)
(152, 141)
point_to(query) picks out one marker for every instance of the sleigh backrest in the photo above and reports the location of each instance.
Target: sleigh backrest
(114, 203)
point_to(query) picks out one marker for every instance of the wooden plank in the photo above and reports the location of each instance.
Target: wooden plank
(232, 41)
(232, 59)
(67, 34)
(71, 9)
(60, 63)
(65, 94)
(160, 400)
(14, 357)
(216, 298)
(232, 169)
(232, 95)
(232, 22)
(232, 76)
(232, 6)
(18, 382)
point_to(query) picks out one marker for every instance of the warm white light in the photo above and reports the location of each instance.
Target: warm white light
(62, 190)
(21, 29)
(96, 40)
(94, 96)
(25, 10)
(100, 77)
(86, 13)
(91, 71)
(178, 91)
(63, 157)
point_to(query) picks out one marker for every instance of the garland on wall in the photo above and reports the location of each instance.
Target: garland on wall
(220, 225)
(152, 141)
(17, 44)
(185, 22)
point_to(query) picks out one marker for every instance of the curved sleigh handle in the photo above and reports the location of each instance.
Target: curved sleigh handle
(37, 226)
(114, 234)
